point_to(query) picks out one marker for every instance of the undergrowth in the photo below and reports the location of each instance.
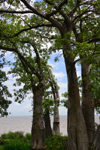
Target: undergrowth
(19, 141)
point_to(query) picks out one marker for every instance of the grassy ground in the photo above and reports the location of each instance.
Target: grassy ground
(18, 141)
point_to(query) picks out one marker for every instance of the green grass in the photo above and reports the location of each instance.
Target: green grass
(18, 141)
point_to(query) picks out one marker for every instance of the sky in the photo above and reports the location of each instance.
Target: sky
(58, 70)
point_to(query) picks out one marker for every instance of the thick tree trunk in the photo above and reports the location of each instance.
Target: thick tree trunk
(87, 103)
(96, 102)
(48, 130)
(38, 129)
(77, 133)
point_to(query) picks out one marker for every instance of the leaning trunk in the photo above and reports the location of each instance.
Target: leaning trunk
(87, 102)
(38, 129)
(48, 130)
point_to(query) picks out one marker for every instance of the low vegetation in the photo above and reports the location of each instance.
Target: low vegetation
(19, 141)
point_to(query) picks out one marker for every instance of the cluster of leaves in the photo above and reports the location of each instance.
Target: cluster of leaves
(4, 92)
(48, 102)
(65, 100)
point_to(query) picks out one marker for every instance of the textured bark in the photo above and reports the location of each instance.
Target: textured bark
(38, 128)
(87, 103)
(96, 102)
(48, 130)
(96, 141)
(56, 122)
(77, 133)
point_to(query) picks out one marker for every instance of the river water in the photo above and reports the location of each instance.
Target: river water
(24, 123)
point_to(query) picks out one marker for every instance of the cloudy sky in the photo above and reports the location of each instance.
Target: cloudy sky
(58, 70)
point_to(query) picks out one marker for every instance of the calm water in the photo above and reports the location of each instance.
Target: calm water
(24, 124)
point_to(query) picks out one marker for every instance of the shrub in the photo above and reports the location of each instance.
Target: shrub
(57, 142)
(28, 136)
(12, 135)
(15, 145)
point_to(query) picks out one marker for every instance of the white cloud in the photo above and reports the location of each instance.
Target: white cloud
(59, 75)
(16, 103)
(28, 106)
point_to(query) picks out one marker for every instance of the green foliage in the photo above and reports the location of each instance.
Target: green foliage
(65, 100)
(15, 140)
(57, 142)
(4, 92)
(16, 145)
(12, 135)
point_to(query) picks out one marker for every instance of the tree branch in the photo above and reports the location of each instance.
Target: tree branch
(53, 21)
(33, 27)
(21, 57)
(74, 9)
(97, 39)
(58, 9)
(15, 12)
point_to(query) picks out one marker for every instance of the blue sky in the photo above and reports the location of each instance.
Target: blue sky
(58, 70)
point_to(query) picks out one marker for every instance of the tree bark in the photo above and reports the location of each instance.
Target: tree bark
(56, 123)
(96, 102)
(38, 127)
(77, 133)
(48, 130)
(87, 102)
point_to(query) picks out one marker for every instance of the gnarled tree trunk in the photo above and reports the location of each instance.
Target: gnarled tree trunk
(87, 102)
(38, 127)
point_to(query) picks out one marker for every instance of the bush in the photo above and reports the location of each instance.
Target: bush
(28, 136)
(15, 145)
(12, 135)
(15, 141)
(57, 142)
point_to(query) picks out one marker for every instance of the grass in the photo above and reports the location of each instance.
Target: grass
(18, 141)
